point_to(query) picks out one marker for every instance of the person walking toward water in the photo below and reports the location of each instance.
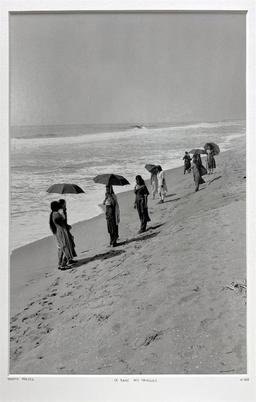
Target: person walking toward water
(141, 202)
(63, 211)
(112, 215)
(154, 183)
(58, 228)
(187, 163)
(210, 161)
(162, 183)
(198, 170)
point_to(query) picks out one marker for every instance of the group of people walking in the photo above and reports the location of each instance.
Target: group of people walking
(58, 216)
(141, 192)
(197, 166)
(140, 203)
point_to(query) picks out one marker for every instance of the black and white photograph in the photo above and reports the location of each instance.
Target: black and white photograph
(127, 193)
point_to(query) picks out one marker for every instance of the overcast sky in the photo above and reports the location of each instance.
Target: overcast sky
(127, 67)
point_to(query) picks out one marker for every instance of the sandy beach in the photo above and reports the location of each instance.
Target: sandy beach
(162, 302)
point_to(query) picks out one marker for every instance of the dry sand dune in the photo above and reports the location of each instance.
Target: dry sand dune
(162, 302)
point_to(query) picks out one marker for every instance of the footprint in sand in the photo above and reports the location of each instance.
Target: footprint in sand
(187, 298)
(116, 328)
(15, 317)
(153, 337)
(67, 294)
(56, 282)
(205, 323)
(101, 317)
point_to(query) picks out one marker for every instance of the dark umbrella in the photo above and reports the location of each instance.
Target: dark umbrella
(111, 179)
(213, 147)
(151, 168)
(65, 188)
(197, 151)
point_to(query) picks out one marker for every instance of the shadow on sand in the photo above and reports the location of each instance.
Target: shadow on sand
(170, 195)
(175, 199)
(155, 227)
(114, 253)
(215, 178)
(103, 256)
(140, 238)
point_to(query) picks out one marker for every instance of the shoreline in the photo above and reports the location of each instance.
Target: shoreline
(83, 221)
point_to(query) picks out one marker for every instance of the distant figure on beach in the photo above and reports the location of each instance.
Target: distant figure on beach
(198, 170)
(154, 183)
(210, 161)
(141, 202)
(112, 215)
(162, 189)
(58, 228)
(63, 211)
(187, 163)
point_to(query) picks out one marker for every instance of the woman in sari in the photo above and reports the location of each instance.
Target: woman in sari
(162, 183)
(198, 170)
(63, 211)
(141, 202)
(112, 215)
(154, 183)
(58, 228)
(210, 161)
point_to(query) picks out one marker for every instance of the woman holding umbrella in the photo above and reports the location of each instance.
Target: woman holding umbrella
(112, 214)
(141, 197)
(58, 228)
(112, 207)
(154, 183)
(153, 170)
(211, 149)
(210, 161)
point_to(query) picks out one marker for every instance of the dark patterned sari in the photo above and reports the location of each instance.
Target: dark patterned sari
(142, 193)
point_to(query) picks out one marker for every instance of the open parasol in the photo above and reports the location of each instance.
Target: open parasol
(213, 147)
(151, 168)
(65, 188)
(197, 151)
(111, 179)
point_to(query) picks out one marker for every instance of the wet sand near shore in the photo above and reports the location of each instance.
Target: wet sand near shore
(162, 302)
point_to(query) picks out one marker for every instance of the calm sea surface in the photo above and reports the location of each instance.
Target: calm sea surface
(42, 156)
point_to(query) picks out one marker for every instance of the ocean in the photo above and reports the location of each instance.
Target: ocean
(42, 156)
